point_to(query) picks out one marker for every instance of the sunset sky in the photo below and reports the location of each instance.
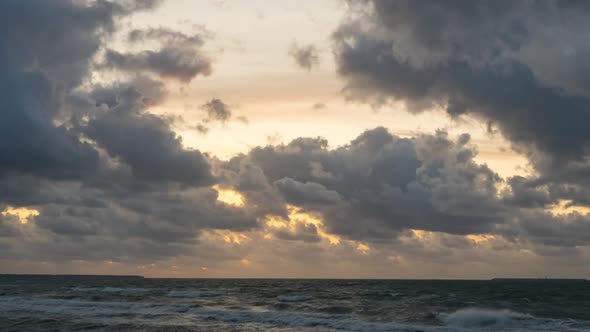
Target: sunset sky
(295, 138)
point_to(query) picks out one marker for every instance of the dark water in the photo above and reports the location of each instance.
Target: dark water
(120, 304)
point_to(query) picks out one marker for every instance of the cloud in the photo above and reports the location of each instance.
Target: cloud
(380, 184)
(301, 232)
(305, 193)
(112, 181)
(30, 64)
(318, 106)
(180, 56)
(458, 56)
(379, 187)
(306, 57)
(217, 110)
(508, 64)
(146, 143)
(109, 179)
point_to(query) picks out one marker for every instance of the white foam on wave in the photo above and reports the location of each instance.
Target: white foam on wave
(133, 313)
(194, 294)
(483, 318)
(89, 309)
(124, 290)
(296, 320)
(294, 298)
(467, 320)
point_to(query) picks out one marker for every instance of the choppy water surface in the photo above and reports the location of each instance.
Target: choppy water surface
(128, 304)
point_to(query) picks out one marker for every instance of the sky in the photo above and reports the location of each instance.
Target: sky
(295, 139)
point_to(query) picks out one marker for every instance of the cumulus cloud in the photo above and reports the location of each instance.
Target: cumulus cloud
(381, 184)
(110, 180)
(506, 63)
(305, 193)
(379, 187)
(468, 57)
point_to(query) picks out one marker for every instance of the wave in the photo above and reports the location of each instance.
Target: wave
(194, 294)
(478, 318)
(160, 314)
(296, 320)
(294, 298)
(88, 309)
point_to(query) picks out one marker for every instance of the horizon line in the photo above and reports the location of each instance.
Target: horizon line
(289, 278)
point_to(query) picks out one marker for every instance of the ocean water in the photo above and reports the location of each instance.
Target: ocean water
(57, 303)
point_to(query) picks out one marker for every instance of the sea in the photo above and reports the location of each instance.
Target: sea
(102, 303)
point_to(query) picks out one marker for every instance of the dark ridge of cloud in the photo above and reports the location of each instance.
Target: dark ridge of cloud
(146, 143)
(306, 193)
(466, 56)
(561, 231)
(302, 232)
(180, 57)
(165, 36)
(306, 57)
(183, 64)
(151, 92)
(461, 29)
(140, 5)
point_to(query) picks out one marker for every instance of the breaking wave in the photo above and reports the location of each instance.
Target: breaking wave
(161, 314)
(477, 318)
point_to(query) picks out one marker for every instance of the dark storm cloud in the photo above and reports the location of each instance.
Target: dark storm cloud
(180, 56)
(525, 192)
(301, 232)
(111, 180)
(30, 65)
(380, 184)
(306, 57)
(469, 56)
(566, 230)
(171, 214)
(146, 143)
(306, 193)
(46, 49)
(510, 64)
